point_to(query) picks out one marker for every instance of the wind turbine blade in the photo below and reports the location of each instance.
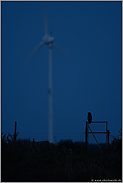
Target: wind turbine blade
(45, 21)
(35, 50)
(28, 59)
(59, 49)
(64, 53)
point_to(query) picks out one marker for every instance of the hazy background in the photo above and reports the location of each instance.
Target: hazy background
(87, 79)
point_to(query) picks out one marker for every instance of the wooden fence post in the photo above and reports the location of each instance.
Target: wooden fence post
(15, 131)
(108, 137)
(106, 133)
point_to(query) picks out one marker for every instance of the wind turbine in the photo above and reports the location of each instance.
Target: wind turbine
(48, 40)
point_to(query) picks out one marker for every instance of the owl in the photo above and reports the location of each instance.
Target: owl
(89, 117)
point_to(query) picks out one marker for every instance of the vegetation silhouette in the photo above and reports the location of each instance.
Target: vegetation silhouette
(26, 160)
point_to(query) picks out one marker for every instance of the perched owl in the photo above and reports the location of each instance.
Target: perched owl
(89, 117)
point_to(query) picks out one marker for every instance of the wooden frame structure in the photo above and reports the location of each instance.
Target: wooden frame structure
(87, 133)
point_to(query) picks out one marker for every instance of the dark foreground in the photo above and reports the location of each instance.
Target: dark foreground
(66, 161)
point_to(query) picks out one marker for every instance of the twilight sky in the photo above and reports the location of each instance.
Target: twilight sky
(87, 78)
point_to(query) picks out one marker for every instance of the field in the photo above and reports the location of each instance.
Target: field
(25, 160)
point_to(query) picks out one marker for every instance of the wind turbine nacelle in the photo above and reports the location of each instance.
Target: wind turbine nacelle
(47, 39)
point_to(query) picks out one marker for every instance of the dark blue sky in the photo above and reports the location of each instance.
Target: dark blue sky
(87, 79)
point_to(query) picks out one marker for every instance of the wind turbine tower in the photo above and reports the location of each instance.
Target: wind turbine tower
(48, 40)
(50, 96)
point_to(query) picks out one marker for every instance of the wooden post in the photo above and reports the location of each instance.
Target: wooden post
(15, 131)
(86, 135)
(106, 133)
(108, 136)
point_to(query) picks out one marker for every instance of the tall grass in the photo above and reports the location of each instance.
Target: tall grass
(26, 160)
